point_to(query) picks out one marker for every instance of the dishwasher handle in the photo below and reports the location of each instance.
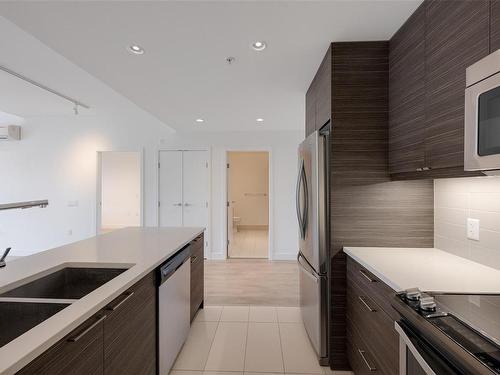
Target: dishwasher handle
(170, 266)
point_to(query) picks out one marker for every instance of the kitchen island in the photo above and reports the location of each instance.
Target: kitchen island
(137, 250)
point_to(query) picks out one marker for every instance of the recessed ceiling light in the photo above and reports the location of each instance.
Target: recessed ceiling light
(260, 120)
(136, 49)
(259, 45)
(200, 120)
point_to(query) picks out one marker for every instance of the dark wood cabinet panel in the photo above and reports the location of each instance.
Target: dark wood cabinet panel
(407, 95)
(369, 312)
(130, 331)
(494, 25)
(457, 35)
(324, 91)
(79, 353)
(362, 360)
(197, 275)
(311, 108)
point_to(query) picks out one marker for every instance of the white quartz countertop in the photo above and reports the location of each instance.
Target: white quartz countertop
(427, 269)
(141, 249)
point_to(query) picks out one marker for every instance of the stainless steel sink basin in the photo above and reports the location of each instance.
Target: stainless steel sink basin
(67, 283)
(17, 318)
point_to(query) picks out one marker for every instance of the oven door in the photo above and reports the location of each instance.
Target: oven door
(417, 357)
(482, 125)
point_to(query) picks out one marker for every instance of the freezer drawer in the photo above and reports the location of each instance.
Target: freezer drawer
(313, 306)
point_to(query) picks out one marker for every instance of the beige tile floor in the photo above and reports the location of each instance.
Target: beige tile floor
(248, 340)
(249, 243)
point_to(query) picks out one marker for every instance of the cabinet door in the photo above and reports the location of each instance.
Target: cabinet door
(457, 36)
(311, 108)
(197, 275)
(324, 91)
(407, 95)
(80, 353)
(170, 189)
(494, 25)
(130, 331)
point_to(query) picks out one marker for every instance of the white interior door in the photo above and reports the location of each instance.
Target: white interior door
(170, 189)
(195, 188)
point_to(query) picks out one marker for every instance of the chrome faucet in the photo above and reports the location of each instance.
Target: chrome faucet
(2, 259)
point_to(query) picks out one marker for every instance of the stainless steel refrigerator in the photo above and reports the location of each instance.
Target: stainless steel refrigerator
(313, 257)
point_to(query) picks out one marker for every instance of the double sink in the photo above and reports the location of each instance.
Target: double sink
(28, 305)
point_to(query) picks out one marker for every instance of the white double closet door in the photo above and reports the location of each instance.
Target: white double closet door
(183, 189)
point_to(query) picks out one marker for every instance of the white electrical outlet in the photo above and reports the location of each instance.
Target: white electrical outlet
(473, 229)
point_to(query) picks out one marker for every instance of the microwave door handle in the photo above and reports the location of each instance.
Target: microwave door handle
(405, 344)
(297, 197)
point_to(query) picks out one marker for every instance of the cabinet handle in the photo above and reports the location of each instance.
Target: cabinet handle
(371, 309)
(365, 275)
(193, 258)
(370, 367)
(127, 297)
(87, 330)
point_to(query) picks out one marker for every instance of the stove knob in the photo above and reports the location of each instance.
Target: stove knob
(427, 303)
(412, 294)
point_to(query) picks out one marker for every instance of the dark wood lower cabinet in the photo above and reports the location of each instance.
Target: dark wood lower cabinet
(130, 331)
(197, 275)
(372, 342)
(79, 353)
(120, 339)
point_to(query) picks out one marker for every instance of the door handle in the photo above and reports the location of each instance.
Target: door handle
(177, 204)
(307, 268)
(370, 367)
(363, 301)
(187, 204)
(115, 307)
(297, 199)
(87, 330)
(367, 277)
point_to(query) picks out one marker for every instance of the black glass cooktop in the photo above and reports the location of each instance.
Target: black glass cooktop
(472, 321)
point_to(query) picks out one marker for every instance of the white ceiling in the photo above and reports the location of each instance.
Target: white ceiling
(183, 74)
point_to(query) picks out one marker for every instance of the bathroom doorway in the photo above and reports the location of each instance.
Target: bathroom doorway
(248, 204)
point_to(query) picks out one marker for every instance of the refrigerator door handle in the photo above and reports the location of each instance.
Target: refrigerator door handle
(297, 199)
(307, 268)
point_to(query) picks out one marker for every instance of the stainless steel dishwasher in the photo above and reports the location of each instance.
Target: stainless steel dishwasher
(173, 308)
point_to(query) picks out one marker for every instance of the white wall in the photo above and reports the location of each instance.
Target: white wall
(282, 147)
(248, 187)
(57, 158)
(456, 200)
(120, 189)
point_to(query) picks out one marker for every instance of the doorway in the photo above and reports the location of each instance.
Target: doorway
(119, 190)
(248, 204)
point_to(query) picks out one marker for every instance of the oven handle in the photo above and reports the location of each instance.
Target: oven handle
(405, 343)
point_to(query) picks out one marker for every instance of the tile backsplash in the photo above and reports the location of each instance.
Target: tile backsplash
(456, 200)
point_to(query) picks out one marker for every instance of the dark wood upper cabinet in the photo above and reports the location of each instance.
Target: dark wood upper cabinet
(407, 95)
(457, 35)
(324, 91)
(311, 108)
(79, 353)
(428, 58)
(494, 25)
(130, 331)
(319, 96)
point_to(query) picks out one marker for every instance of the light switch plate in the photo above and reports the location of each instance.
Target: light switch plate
(473, 229)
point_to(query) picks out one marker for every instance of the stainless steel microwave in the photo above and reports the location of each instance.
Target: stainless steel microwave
(482, 115)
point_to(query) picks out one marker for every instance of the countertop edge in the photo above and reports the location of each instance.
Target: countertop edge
(12, 366)
(369, 267)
